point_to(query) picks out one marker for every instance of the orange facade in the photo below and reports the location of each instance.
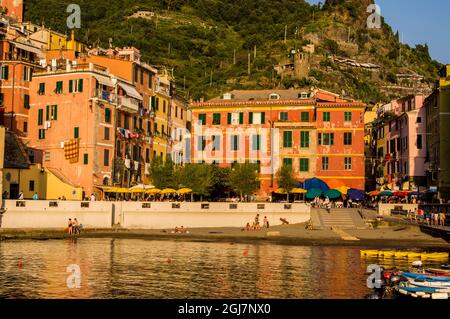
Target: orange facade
(276, 131)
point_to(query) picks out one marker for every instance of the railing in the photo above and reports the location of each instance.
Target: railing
(129, 103)
(105, 95)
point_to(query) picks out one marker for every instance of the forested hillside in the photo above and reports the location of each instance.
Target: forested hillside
(208, 42)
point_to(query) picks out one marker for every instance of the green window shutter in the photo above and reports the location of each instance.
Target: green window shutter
(5, 72)
(40, 116)
(26, 101)
(320, 139)
(304, 165)
(263, 117)
(86, 159)
(70, 86)
(55, 112)
(31, 74)
(332, 139)
(241, 118)
(2, 98)
(76, 132)
(47, 113)
(250, 118)
(80, 85)
(229, 118)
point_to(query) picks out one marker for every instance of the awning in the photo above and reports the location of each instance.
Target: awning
(104, 80)
(131, 91)
(27, 47)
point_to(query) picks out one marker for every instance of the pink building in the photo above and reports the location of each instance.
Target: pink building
(405, 140)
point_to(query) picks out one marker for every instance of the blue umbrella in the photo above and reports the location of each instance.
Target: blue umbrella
(355, 194)
(315, 183)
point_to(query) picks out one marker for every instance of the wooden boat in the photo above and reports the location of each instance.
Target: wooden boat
(425, 277)
(423, 292)
(438, 271)
(403, 254)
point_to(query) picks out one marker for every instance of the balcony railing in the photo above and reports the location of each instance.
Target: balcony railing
(129, 104)
(105, 95)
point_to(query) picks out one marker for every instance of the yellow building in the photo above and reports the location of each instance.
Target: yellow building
(51, 40)
(19, 175)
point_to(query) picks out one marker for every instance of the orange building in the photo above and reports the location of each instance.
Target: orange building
(19, 59)
(317, 132)
(14, 9)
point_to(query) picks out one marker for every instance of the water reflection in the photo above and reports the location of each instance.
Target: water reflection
(128, 268)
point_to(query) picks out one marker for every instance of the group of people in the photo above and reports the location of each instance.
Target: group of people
(180, 230)
(20, 196)
(430, 218)
(256, 224)
(73, 227)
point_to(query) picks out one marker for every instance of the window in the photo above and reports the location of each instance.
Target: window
(326, 116)
(256, 118)
(305, 117)
(256, 142)
(326, 139)
(287, 162)
(348, 163)
(201, 143)
(304, 165)
(40, 116)
(419, 119)
(142, 76)
(216, 119)
(4, 73)
(150, 80)
(283, 116)
(126, 121)
(287, 139)
(76, 132)
(85, 158)
(163, 130)
(53, 112)
(176, 111)
(392, 147)
(419, 141)
(164, 106)
(27, 73)
(304, 139)
(105, 157)
(31, 186)
(59, 87)
(25, 127)
(347, 116)
(76, 86)
(106, 134)
(147, 155)
(325, 163)
(181, 114)
(347, 138)
(41, 134)
(274, 96)
(202, 119)
(2, 99)
(134, 122)
(216, 143)
(234, 142)
(26, 101)
(107, 115)
(41, 88)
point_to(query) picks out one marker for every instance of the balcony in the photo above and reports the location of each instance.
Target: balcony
(105, 96)
(128, 104)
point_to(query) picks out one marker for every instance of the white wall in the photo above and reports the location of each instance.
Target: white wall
(146, 215)
(385, 209)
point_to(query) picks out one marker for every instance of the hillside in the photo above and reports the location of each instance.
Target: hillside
(208, 44)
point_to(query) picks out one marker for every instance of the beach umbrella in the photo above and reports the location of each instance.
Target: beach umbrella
(168, 191)
(313, 193)
(401, 194)
(343, 189)
(332, 194)
(280, 191)
(315, 183)
(183, 191)
(374, 193)
(386, 193)
(355, 194)
(298, 191)
(153, 191)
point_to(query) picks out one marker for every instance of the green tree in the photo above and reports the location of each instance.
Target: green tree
(197, 177)
(286, 179)
(243, 179)
(219, 181)
(162, 173)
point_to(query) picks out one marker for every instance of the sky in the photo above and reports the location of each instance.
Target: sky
(419, 22)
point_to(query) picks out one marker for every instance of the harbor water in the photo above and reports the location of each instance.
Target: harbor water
(135, 268)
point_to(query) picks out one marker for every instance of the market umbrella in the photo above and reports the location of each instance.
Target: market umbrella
(374, 193)
(313, 193)
(401, 194)
(280, 191)
(315, 183)
(168, 191)
(332, 194)
(298, 191)
(343, 189)
(355, 194)
(386, 193)
(153, 191)
(183, 191)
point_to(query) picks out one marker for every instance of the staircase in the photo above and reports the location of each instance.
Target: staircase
(342, 218)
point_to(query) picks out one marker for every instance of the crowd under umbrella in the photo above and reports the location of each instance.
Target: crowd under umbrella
(313, 193)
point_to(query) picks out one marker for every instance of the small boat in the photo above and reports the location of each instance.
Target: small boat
(403, 254)
(438, 272)
(423, 292)
(425, 277)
